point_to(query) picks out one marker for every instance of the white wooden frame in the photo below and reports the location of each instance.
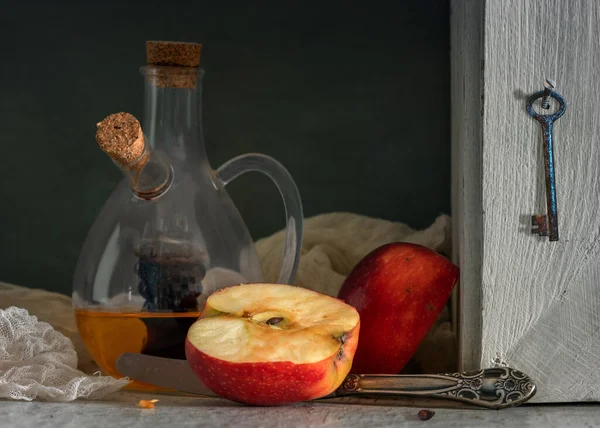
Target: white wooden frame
(523, 301)
(466, 20)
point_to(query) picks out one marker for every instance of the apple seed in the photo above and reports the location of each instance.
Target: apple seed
(425, 414)
(274, 320)
(342, 340)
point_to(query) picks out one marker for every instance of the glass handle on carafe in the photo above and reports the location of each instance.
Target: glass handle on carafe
(291, 201)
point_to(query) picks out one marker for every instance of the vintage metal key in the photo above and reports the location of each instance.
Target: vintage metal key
(547, 225)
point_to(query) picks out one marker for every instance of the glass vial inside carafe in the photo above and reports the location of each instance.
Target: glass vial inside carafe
(160, 262)
(170, 273)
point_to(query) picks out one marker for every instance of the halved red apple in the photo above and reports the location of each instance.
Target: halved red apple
(272, 344)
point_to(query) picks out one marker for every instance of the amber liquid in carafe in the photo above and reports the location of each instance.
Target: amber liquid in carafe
(171, 286)
(107, 335)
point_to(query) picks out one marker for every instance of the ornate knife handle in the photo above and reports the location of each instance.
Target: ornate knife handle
(494, 388)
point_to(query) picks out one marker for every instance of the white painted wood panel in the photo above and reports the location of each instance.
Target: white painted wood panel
(466, 18)
(541, 300)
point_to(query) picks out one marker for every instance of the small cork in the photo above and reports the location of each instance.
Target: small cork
(120, 136)
(173, 54)
(183, 60)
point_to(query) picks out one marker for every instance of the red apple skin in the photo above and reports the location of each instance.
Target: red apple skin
(273, 383)
(399, 290)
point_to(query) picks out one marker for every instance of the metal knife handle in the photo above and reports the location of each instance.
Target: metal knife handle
(494, 388)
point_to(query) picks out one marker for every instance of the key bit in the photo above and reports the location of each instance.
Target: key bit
(539, 224)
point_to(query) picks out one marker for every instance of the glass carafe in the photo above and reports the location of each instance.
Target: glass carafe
(169, 235)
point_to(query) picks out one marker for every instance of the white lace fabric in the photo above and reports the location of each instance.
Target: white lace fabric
(38, 362)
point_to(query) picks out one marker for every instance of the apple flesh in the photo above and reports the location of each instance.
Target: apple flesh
(399, 290)
(272, 344)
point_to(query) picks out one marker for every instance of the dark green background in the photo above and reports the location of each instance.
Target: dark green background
(353, 98)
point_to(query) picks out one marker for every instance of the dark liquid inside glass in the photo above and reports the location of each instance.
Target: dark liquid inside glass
(166, 336)
(169, 283)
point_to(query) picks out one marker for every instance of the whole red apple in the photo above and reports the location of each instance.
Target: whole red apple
(272, 344)
(399, 290)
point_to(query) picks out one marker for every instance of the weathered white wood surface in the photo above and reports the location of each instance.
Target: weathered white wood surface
(467, 50)
(541, 300)
(122, 411)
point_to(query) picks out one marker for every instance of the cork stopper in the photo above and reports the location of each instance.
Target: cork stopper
(120, 136)
(173, 54)
(183, 60)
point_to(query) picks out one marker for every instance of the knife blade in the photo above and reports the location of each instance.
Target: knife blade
(493, 388)
(162, 372)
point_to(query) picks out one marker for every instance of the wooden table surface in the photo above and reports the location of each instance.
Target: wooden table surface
(121, 410)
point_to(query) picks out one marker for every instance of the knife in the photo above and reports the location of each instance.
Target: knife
(492, 388)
